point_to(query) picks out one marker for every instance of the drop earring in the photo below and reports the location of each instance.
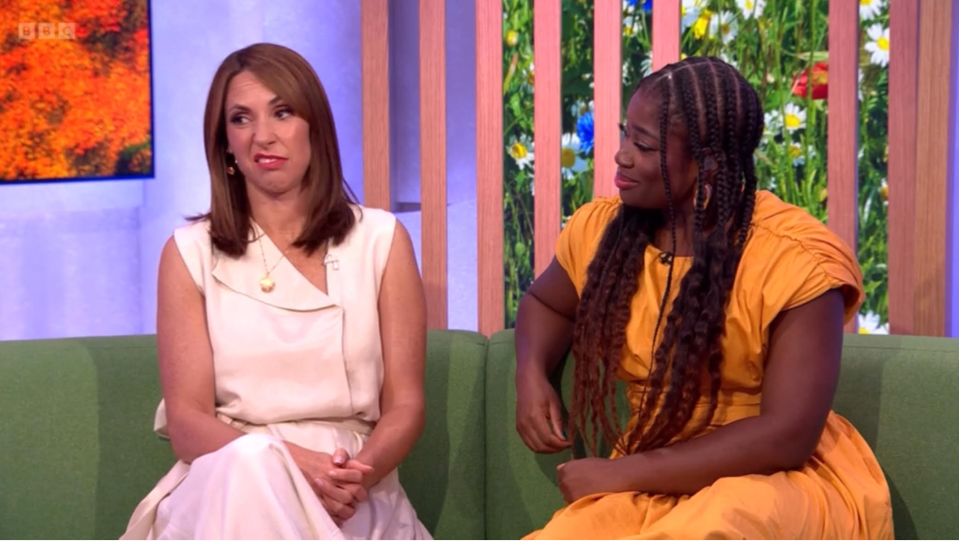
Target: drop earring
(229, 168)
(709, 193)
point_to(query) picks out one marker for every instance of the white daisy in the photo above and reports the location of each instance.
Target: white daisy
(629, 26)
(522, 151)
(723, 25)
(751, 8)
(527, 77)
(773, 123)
(580, 107)
(879, 46)
(646, 66)
(869, 324)
(570, 158)
(794, 118)
(798, 153)
(869, 9)
(690, 10)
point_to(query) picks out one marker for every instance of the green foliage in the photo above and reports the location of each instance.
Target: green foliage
(773, 48)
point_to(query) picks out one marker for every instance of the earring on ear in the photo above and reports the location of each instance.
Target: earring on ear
(709, 193)
(229, 167)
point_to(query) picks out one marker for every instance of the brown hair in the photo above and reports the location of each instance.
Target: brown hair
(296, 83)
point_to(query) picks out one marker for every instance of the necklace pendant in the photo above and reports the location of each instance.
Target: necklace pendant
(267, 284)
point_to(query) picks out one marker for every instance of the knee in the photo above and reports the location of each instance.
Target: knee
(255, 448)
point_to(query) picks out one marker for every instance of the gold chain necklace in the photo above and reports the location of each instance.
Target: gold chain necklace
(267, 284)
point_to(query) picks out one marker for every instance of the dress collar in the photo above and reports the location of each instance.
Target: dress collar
(292, 290)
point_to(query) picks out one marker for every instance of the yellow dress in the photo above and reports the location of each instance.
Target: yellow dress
(789, 259)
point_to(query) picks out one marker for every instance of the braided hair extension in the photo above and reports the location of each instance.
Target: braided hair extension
(723, 119)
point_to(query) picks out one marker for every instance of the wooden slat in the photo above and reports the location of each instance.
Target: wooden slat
(934, 165)
(666, 32)
(547, 20)
(903, 89)
(374, 37)
(607, 92)
(489, 165)
(433, 158)
(843, 123)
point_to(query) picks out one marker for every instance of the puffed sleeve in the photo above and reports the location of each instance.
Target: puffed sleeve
(805, 262)
(581, 236)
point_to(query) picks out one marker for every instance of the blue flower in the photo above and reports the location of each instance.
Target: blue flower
(647, 4)
(584, 130)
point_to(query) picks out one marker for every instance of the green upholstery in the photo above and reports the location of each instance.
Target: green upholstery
(77, 442)
(902, 394)
(443, 476)
(79, 452)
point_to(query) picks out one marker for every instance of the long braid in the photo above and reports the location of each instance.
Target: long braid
(685, 336)
(660, 359)
(723, 119)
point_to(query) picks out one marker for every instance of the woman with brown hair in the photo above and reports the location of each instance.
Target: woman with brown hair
(290, 331)
(722, 308)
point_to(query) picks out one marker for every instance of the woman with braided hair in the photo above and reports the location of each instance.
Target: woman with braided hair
(722, 308)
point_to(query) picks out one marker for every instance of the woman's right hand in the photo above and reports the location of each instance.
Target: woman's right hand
(339, 493)
(539, 414)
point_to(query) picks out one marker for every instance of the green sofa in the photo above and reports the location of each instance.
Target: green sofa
(78, 451)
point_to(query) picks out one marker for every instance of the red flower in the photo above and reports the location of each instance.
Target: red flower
(820, 82)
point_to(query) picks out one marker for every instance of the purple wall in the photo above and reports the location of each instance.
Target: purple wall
(80, 259)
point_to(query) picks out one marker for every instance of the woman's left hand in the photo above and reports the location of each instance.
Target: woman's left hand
(587, 476)
(344, 473)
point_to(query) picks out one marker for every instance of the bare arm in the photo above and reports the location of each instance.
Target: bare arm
(544, 321)
(402, 307)
(186, 362)
(544, 332)
(805, 350)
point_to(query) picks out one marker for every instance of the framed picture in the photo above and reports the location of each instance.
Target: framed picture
(75, 91)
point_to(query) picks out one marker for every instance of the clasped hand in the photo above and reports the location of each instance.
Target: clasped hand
(339, 481)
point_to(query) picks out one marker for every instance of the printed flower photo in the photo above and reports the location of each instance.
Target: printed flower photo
(780, 46)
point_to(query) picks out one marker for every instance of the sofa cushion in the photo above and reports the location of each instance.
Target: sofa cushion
(444, 476)
(78, 448)
(902, 394)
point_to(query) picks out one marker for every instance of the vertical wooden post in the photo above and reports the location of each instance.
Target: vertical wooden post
(547, 127)
(607, 92)
(934, 165)
(374, 41)
(433, 158)
(489, 165)
(666, 31)
(843, 124)
(903, 90)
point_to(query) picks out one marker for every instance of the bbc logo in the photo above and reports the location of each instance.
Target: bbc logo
(48, 30)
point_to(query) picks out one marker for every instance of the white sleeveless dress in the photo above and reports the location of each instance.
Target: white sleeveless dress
(294, 364)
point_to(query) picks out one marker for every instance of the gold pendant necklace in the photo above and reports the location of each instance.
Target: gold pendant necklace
(267, 284)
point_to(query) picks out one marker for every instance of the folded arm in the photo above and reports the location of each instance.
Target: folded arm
(802, 371)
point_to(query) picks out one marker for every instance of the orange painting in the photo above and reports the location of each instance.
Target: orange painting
(75, 90)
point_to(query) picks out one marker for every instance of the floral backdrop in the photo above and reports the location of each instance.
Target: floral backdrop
(77, 105)
(780, 46)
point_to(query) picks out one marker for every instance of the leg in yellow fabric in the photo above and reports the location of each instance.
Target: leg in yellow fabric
(793, 505)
